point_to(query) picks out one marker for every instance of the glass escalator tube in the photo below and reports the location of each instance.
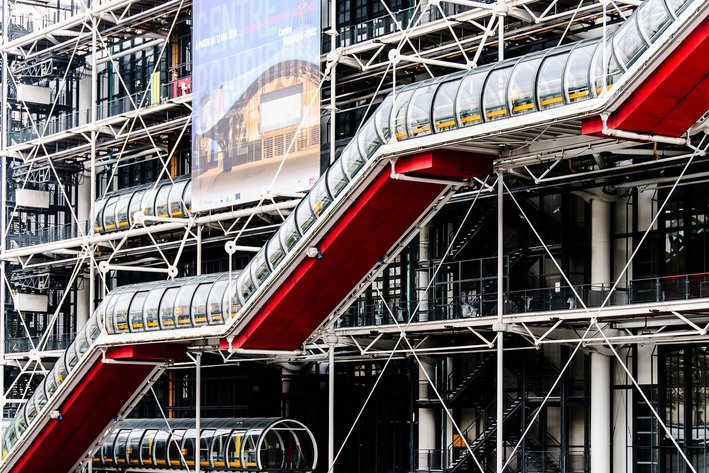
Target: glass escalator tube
(677, 6)
(187, 197)
(118, 320)
(245, 286)
(146, 447)
(215, 301)
(495, 92)
(444, 106)
(319, 196)
(418, 117)
(550, 79)
(136, 201)
(628, 42)
(98, 215)
(148, 202)
(522, 85)
(577, 76)
(259, 267)
(183, 305)
(122, 204)
(162, 206)
(274, 250)
(336, 178)
(199, 304)
(109, 214)
(151, 308)
(468, 103)
(288, 233)
(653, 18)
(402, 100)
(231, 304)
(136, 318)
(167, 308)
(176, 207)
(304, 215)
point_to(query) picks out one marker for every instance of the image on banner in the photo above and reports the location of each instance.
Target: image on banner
(256, 103)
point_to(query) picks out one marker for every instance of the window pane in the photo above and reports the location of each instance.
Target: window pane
(627, 42)
(352, 160)
(136, 312)
(98, 221)
(402, 101)
(495, 94)
(146, 447)
(175, 200)
(522, 82)
(109, 214)
(245, 286)
(319, 196)
(231, 304)
(369, 141)
(383, 117)
(148, 203)
(214, 307)
(119, 452)
(613, 68)
(167, 313)
(122, 210)
(134, 206)
(336, 178)
(183, 303)
(199, 304)
(120, 314)
(289, 233)
(161, 201)
(577, 73)
(133, 450)
(150, 309)
(275, 251)
(174, 448)
(304, 215)
(259, 267)
(653, 18)
(551, 72)
(419, 115)
(187, 197)
(444, 106)
(469, 99)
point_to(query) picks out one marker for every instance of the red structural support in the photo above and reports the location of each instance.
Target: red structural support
(90, 407)
(372, 224)
(672, 98)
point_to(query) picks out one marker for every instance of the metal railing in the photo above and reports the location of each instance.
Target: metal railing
(555, 298)
(64, 122)
(23, 345)
(387, 24)
(47, 235)
(428, 460)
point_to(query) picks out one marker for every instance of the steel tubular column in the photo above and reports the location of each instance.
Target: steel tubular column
(500, 329)
(331, 410)
(3, 204)
(333, 80)
(600, 412)
(92, 171)
(198, 410)
(199, 250)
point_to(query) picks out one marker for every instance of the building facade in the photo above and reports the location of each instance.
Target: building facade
(546, 315)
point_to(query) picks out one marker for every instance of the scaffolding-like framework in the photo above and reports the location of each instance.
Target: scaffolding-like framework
(58, 148)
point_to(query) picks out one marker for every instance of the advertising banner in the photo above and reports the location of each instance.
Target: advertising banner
(255, 98)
